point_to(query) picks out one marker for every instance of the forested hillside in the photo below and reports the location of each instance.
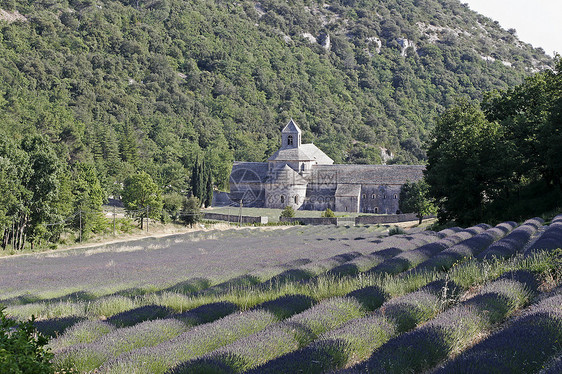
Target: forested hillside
(94, 91)
(124, 84)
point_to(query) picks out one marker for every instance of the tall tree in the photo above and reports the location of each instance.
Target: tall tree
(414, 198)
(462, 160)
(142, 197)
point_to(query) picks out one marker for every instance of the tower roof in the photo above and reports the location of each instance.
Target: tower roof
(291, 127)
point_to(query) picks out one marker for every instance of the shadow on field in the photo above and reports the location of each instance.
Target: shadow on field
(55, 326)
(28, 299)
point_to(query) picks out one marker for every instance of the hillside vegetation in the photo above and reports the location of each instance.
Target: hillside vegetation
(152, 83)
(95, 95)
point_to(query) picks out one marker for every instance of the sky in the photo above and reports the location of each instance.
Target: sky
(537, 21)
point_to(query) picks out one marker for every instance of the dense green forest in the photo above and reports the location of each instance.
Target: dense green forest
(102, 89)
(500, 160)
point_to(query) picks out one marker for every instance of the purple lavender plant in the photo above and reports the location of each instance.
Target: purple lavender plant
(191, 344)
(466, 249)
(452, 330)
(514, 242)
(524, 346)
(549, 240)
(286, 306)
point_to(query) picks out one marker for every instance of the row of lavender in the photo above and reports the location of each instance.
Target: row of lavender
(162, 330)
(245, 353)
(94, 359)
(242, 354)
(82, 350)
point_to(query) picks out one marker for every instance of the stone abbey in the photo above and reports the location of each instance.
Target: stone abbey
(304, 177)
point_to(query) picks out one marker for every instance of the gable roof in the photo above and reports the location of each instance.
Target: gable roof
(291, 127)
(306, 152)
(316, 153)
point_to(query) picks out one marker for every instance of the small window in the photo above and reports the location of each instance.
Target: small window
(282, 199)
(290, 140)
(373, 196)
(296, 199)
(364, 196)
(346, 209)
(395, 196)
(376, 210)
(384, 197)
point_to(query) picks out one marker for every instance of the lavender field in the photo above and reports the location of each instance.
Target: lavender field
(301, 299)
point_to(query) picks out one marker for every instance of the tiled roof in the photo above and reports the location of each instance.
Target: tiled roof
(249, 171)
(347, 190)
(320, 157)
(371, 174)
(291, 154)
(286, 175)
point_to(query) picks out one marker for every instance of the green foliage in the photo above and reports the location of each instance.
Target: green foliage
(142, 197)
(502, 161)
(414, 198)
(202, 182)
(396, 230)
(288, 212)
(191, 211)
(173, 203)
(22, 348)
(328, 213)
(88, 199)
(125, 86)
(462, 159)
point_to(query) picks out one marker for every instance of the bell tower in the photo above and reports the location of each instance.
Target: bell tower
(290, 136)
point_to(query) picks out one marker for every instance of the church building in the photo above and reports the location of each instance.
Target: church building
(304, 177)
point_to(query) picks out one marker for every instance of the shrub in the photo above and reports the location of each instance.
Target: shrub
(395, 230)
(288, 212)
(328, 213)
(22, 348)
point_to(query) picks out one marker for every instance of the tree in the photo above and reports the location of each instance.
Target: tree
(466, 164)
(142, 197)
(202, 182)
(88, 198)
(414, 198)
(191, 213)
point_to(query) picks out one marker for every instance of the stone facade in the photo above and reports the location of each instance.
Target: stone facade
(304, 177)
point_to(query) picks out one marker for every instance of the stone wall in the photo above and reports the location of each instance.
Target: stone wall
(361, 220)
(235, 218)
(310, 221)
(387, 218)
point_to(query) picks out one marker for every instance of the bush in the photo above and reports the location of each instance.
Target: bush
(288, 212)
(22, 348)
(395, 230)
(328, 213)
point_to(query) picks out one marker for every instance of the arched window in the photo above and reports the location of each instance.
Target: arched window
(376, 210)
(395, 196)
(282, 199)
(364, 196)
(296, 199)
(373, 196)
(290, 140)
